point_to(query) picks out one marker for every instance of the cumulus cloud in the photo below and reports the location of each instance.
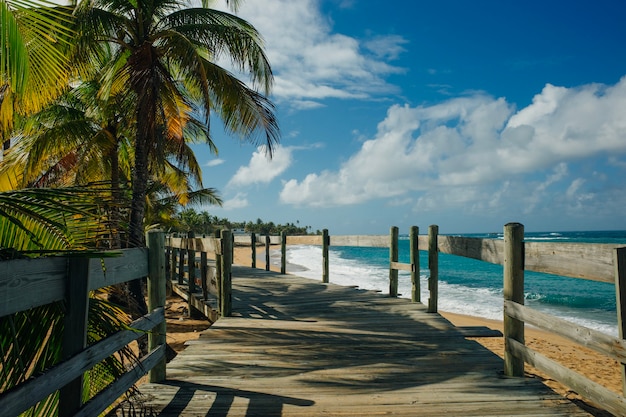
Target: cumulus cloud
(467, 148)
(261, 169)
(239, 201)
(311, 62)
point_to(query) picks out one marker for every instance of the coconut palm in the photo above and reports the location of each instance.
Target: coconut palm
(163, 204)
(167, 56)
(73, 141)
(82, 138)
(48, 220)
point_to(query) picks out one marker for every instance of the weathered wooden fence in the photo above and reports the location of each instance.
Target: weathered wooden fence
(205, 283)
(26, 284)
(599, 262)
(391, 242)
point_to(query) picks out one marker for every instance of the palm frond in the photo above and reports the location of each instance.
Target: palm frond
(224, 34)
(53, 219)
(35, 39)
(30, 342)
(244, 111)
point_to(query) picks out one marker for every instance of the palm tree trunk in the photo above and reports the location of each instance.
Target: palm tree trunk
(138, 208)
(145, 84)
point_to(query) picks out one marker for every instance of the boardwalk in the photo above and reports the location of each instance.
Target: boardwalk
(296, 347)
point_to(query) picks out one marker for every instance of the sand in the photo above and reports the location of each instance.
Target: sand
(593, 365)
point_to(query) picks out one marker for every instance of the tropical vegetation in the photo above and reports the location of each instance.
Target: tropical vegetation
(99, 104)
(203, 223)
(36, 222)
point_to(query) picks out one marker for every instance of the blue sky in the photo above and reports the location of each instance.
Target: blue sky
(464, 114)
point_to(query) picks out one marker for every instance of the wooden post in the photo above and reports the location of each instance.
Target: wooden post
(75, 330)
(204, 275)
(156, 296)
(393, 257)
(253, 249)
(218, 270)
(226, 278)
(433, 266)
(181, 262)
(267, 252)
(191, 271)
(283, 252)
(620, 300)
(168, 260)
(415, 264)
(172, 276)
(325, 263)
(513, 291)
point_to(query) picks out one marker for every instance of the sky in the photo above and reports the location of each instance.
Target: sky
(464, 114)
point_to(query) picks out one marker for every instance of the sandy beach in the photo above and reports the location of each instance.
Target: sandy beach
(595, 366)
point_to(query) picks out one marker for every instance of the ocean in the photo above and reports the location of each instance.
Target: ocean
(468, 286)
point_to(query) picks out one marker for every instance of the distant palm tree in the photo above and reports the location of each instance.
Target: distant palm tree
(163, 204)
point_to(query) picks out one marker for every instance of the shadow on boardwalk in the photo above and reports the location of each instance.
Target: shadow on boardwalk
(298, 347)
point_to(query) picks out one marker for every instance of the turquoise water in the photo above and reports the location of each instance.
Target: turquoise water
(472, 287)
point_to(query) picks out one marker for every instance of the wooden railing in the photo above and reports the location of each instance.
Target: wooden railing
(205, 283)
(391, 242)
(26, 284)
(598, 262)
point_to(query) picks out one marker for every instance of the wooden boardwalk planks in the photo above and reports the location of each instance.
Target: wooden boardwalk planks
(296, 347)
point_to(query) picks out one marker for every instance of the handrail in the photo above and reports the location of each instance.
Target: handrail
(599, 262)
(34, 390)
(16, 276)
(213, 296)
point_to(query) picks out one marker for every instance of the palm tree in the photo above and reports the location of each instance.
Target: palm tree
(82, 138)
(167, 56)
(44, 220)
(163, 203)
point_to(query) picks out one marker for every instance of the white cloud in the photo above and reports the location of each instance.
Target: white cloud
(617, 162)
(239, 201)
(463, 150)
(311, 62)
(386, 47)
(215, 162)
(305, 104)
(573, 122)
(574, 187)
(261, 169)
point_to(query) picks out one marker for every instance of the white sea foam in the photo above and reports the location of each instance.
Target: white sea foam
(306, 261)
(478, 302)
